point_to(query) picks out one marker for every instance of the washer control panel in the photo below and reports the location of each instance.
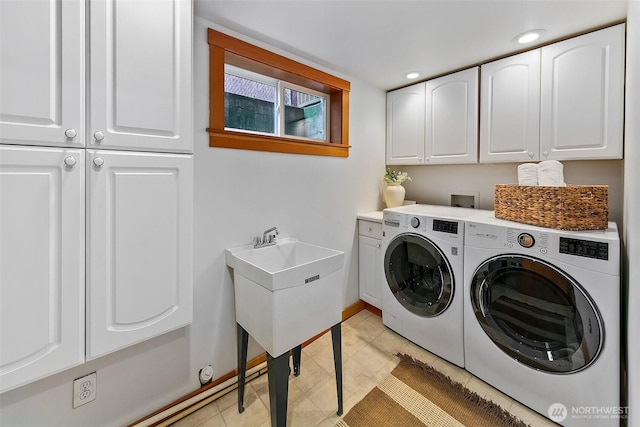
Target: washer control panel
(443, 226)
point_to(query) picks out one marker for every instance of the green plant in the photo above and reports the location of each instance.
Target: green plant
(393, 177)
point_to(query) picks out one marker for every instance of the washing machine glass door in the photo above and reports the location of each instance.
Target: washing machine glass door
(418, 274)
(536, 313)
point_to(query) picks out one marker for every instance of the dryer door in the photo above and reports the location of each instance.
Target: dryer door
(536, 313)
(418, 274)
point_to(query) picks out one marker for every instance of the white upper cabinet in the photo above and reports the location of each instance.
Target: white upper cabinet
(451, 134)
(434, 122)
(139, 74)
(405, 125)
(139, 247)
(140, 83)
(582, 95)
(41, 262)
(509, 109)
(42, 73)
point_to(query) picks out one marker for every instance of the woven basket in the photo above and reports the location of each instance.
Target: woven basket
(574, 207)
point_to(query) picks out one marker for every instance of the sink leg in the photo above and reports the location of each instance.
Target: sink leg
(243, 339)
(336, 339)
(278, 377)
(297, 355)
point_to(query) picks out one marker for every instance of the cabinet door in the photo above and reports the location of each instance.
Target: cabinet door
(405, 125)
(581, 111)
(42, 73)
(140, 86)
(370, 270)
(452, 118)
(41, 262)
(509, 106)
(139, 247)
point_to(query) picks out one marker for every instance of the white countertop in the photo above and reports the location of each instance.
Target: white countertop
(372, 216)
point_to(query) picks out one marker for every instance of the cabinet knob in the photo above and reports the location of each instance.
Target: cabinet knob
(531, 154)
(70, 133)
(70, 161)
(379, 245)
(98, 162)
(98, 135)
(545, 153)
(369, 229)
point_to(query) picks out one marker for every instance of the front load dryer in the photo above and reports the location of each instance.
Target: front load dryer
(423, 267)
(542, 317)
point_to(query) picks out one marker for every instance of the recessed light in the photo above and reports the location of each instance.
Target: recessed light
(529, 36)
(412, 75)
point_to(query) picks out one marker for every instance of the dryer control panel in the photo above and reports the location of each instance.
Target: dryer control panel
(526, 240)
(584, 248)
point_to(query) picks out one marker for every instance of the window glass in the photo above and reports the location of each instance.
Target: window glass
(304, 114)
(249, 105)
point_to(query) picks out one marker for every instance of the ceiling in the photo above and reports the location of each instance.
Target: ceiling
(379, 41)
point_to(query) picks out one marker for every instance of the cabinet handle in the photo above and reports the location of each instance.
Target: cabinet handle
(70, 133)
(99, 136)
(98, 162)
(70, 161)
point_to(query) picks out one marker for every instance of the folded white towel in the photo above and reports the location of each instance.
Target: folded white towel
(528, 174)
(551, 173)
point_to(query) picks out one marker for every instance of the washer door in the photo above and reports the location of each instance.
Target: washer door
(536, 314)
(418, 274)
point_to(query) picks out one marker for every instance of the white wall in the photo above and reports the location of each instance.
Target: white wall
(434, 183)
(631, 231)
(238, 194)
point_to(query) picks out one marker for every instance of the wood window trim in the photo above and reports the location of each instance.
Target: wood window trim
(226, 49)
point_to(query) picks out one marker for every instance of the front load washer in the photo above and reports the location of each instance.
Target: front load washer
(542, 317)
(423, 268)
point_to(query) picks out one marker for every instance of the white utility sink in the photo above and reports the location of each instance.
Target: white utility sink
(287, 263)
(286, 293)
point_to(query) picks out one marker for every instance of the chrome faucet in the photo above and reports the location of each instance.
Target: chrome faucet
(268, 238)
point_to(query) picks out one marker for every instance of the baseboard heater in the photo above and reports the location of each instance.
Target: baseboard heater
(200, 400)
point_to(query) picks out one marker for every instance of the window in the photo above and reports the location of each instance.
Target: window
(263, 101)
(261, 104)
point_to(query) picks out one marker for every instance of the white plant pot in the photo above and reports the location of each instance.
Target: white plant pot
(393, 194)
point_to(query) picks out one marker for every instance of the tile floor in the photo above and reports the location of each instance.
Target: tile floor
(368, 349)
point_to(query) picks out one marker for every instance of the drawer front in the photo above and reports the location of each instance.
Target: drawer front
(370, 229)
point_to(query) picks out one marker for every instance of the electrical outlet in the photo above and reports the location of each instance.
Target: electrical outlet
(84, 389)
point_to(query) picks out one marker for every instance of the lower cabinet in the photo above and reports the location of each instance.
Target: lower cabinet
(96, 251)
(42, 252)
(370, 262)
(139, 247)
